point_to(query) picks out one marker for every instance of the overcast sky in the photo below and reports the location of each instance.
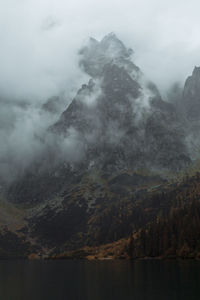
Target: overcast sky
(39, 40)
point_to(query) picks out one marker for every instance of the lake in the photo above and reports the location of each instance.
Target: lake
(99, 280)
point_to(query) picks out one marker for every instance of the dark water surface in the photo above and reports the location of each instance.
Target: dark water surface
(103, 280)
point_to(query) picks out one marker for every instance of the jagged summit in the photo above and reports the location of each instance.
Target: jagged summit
(109, 36)
(111, 42)
(196, 71)
(121, 121)
(191, 95)
(97, 54)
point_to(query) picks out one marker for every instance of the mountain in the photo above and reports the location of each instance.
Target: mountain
(119, 116)
(189, 107)
(191, 96)
(117, 122)
(110, 161)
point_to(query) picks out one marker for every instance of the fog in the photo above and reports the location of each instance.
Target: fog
(40, 41)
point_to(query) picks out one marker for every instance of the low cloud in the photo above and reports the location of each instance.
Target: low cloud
(39, 59)
(40, 40)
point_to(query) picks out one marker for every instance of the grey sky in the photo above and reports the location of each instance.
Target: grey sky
(40, 39)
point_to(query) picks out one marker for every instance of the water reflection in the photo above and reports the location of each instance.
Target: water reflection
(105, 280)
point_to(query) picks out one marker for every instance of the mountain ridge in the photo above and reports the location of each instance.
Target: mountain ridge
(116, 149)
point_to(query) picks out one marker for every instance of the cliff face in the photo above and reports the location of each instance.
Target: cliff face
(191, 96)
(189, 107)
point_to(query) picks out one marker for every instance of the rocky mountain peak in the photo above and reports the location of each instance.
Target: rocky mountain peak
(196, 72)
(121, 120)
(191, 95)
(97, 54)
(110, 36)
(192, 85)
(114, 47)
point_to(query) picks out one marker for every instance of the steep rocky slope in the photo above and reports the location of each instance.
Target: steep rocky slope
(189, 105)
